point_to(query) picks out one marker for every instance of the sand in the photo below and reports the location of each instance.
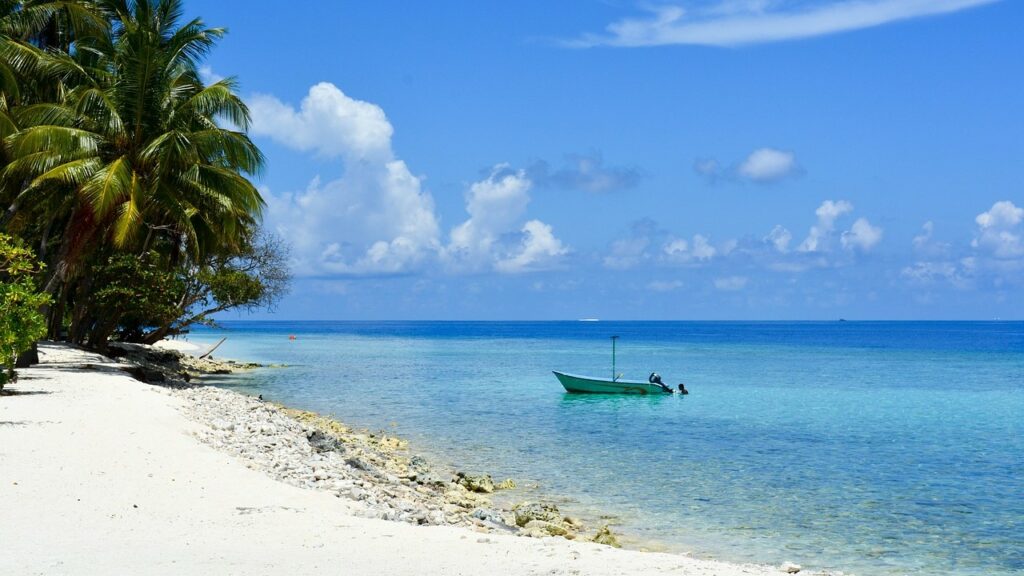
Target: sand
(101, 474)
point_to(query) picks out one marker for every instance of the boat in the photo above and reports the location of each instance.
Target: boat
(615, 385)
(592, 385)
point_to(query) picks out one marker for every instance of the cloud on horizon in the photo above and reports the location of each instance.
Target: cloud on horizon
(728, 23)
(995, 258)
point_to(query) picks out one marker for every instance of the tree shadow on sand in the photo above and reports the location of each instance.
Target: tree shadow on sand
(7, 392)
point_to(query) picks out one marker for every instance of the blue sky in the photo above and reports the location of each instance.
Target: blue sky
(733, 159)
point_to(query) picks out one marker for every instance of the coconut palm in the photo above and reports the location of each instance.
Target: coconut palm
(147, 152)
(120, 146)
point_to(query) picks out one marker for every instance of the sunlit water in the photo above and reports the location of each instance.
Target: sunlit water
(873, 448)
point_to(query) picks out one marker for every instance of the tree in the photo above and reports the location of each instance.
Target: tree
(122, 151)
(21, 323)
(140, 300)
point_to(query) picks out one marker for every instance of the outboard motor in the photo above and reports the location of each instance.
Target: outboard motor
(655, 378)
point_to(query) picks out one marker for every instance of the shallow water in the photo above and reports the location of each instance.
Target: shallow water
(874, 448)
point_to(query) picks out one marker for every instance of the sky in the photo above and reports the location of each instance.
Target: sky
(713, 160)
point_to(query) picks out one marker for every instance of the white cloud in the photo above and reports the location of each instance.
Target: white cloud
(763, 166)
(734, 23)
(664, 285)
(492, 235)
(731, 283)
(376, 218)
(862, 236)
(767, 165)
(328, 122)
(627, 253)
(208, 76)
(708, 167)
(999, 230)
(495, 205)
(538, 250)
(780, 238)
(679, 250)
(818, 237)
(922, 239)
(958, 274)
(586, 172)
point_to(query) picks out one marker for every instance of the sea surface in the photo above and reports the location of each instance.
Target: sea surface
(868, 447)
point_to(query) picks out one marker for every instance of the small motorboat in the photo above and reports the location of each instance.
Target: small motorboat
(591, 385)
(615, 385)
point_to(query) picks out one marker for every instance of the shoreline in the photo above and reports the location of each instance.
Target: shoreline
(290, 452)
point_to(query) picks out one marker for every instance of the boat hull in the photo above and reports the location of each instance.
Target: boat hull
(590, 385)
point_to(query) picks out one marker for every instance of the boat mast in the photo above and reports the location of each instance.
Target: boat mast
(614, 377)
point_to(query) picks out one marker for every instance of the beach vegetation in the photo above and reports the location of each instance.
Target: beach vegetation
(128, 172)
(21, 322)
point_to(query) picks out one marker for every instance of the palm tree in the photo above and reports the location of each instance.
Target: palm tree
(137, 152)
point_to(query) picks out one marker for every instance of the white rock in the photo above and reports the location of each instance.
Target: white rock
(790, 568)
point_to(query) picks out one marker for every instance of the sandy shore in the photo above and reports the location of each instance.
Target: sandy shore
(102, 474)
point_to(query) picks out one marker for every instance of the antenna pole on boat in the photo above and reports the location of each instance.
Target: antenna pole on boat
(614, 338)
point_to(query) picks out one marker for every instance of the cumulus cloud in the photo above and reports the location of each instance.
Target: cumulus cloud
(767, 165)
(492, 236)
(828, 212)
(999, 230)
(586, 172)
(779, 238)
(376, 218)
(927, 273)
(731, 283)
(996, 258)
(699, 250)
(763, 166)
(537, 250)
(647, 242)
(741, 22)
(922, 240)
(862, 236)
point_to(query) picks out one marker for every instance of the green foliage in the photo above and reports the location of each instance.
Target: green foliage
(133, 294)
(21, 323)
(126, 172)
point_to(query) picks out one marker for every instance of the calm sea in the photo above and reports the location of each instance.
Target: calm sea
(869, 447)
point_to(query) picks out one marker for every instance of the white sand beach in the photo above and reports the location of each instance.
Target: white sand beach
(102, 474)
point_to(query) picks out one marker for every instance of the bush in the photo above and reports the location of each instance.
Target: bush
(21, 322)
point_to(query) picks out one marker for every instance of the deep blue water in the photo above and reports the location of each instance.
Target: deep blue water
(869, 447)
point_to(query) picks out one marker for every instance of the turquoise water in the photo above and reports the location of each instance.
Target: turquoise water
(873, 448)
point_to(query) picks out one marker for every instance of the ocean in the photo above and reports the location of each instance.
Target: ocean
(869, 447)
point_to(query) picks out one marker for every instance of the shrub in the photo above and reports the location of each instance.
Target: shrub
(21, 322)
